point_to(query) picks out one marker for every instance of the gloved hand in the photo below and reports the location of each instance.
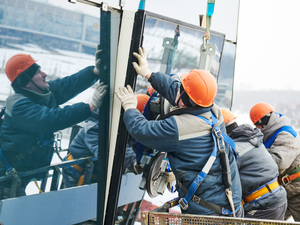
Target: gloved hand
(127, 97)
(97, 60)
(171, 179)
(142, 67)
(99, 95)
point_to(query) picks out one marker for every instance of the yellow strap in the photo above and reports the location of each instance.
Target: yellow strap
(76, 167)
(261, 192)
(80, 181)
(37, 185)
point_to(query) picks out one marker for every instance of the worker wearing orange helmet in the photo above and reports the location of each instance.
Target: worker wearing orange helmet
(283, 143)
(263, 197)
(186, 135)
(32, 113)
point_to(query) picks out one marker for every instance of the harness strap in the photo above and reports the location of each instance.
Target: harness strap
(293, 175)
(183, 202)
(76, 167)
(262, 192)
(205, 204)
(218, 145)
(271, 140)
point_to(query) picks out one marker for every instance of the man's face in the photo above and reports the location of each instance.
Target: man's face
(40, 80)
(180, 103)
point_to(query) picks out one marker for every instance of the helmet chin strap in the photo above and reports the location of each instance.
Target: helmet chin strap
(30, 80)
(181, 94)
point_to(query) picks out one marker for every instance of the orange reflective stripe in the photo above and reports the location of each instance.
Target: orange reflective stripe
(261, 192)
(76, 167)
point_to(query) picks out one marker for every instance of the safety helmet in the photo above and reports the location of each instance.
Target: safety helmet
(259, 110)
(18, 64)
(142, 101)
(201, 87)
(227, 116)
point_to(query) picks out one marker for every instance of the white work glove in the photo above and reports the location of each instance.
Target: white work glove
(127, 97)
(99, 95)
(142, 67)
(171, 179)
(98, 60)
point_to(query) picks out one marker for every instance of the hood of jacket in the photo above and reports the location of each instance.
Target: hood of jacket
(247, 133)
(276, 121)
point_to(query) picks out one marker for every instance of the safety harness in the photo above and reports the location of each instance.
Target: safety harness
(261, 192)
(219, 147)
(271, 140)
(293, 175)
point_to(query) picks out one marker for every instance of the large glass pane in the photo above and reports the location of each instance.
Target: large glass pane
(174, 47)
(226, 76)
(62, 37)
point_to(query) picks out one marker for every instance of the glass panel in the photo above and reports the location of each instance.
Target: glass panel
(61, 36)
(173, 47)
(183, 52)
(226, 77)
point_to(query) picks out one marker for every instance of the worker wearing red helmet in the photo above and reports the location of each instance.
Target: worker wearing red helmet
(283, 143)
(263, 197)
(32, 113)
(186, 135)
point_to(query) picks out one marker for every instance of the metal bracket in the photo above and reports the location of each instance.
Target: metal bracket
(104, 6)
(206, 53)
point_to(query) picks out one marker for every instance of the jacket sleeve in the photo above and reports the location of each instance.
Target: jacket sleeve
(33, 117)
(284, 151)
(92, 139)
(68, 87)
(157, 134)
(165, 85)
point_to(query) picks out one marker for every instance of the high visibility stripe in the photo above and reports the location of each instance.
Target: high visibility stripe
(193, 135)
(262, 191)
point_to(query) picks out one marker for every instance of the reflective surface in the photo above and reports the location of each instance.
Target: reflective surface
(63, 38)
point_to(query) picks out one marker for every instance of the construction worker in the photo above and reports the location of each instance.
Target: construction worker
(32, 114)
(283, 143)
(85, 144)
(186, 136)
(263, 197)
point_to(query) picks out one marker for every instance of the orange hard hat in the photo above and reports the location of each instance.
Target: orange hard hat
(142, 101)
(201, 87)
(259, 110)
(228, 116)
(18, 64)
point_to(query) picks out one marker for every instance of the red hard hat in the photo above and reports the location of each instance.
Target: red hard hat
(200, 86)
(259, 110)
(18, 64)
(227, 116)
(142, 101)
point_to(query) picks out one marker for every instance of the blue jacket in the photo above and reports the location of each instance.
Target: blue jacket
(188, 141)
(31, 118)
(256, 167)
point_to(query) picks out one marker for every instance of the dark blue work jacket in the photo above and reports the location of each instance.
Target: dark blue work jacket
(31, 119)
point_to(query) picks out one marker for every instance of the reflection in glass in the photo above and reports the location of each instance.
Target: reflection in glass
(187, 54)
(62, 40)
